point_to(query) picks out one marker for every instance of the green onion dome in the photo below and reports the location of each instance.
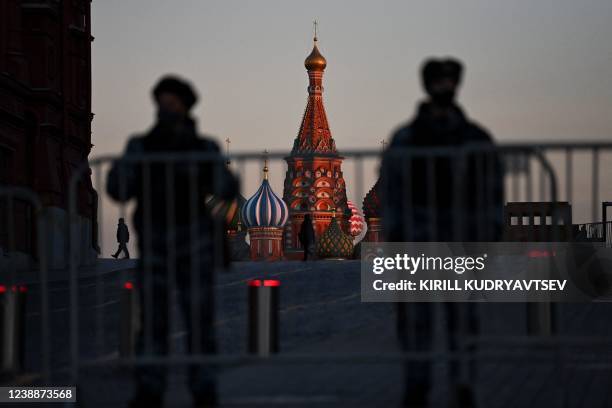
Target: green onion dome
(229, 210)
(334, 243)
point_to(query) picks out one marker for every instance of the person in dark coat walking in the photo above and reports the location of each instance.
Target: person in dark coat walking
(177, 239)
(307, 236)
(123, 237)
(452, 191)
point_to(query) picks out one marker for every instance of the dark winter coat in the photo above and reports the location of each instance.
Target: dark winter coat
(123, 234)
(306, 234)
(454, 193)
(170, 196)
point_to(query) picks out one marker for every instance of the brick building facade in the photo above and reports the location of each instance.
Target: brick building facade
(45, 122)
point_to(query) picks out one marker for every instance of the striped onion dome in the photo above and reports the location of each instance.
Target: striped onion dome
(265, 208)
(356, 221)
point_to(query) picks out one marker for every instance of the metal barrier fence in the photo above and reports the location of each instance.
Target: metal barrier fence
(595, 232)
(530, 176)
(15, 323)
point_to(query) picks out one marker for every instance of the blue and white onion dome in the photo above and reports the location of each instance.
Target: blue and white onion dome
(265, 208)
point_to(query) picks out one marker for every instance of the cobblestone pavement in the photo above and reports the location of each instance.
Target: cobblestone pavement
(321, 312)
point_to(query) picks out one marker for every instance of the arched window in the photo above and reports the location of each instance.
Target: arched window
(323, 206)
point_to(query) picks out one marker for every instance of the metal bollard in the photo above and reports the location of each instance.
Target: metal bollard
(12, 319)
(130, 320)
(263, 316)
(541, 315)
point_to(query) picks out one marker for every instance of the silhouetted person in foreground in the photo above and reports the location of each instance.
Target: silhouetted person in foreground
(123, 237)
(434, 196)
(175, 235)
(307, 236)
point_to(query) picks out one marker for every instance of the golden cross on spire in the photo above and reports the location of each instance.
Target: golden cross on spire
(265, 169)
(315, 26)
(227, 146)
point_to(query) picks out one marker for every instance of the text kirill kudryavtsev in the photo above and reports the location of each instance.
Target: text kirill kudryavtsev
(473, 285)
(457, 264)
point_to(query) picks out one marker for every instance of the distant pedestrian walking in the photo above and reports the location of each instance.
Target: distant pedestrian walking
(307, 236)
(123, 237)
(456, 195)
(177, 239)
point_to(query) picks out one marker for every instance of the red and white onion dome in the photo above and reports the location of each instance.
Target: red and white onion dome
(356, 221)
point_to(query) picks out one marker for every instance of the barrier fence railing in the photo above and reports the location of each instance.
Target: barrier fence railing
(595, 232)
(16, 327)
(173, 189)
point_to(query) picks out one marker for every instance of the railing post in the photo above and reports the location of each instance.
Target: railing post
(541, 315)
(604, 219)
(539, 319)
(12, 319)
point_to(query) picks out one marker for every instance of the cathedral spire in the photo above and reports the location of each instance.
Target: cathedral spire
(314, 183)
(265, 169)
(227, 151)
(314, 135)
(315, 61)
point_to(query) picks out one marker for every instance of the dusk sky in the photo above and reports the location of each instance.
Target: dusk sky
(535, 70)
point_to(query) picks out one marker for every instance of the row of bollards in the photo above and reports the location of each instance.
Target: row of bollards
(263, 299)
(12, 319)
(263, 321)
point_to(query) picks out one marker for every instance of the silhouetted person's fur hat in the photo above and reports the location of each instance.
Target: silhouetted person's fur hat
(178, 87)
(435, 69)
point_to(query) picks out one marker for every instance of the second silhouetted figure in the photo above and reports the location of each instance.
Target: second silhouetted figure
(441, 182)
(307, 236)
(123, 237)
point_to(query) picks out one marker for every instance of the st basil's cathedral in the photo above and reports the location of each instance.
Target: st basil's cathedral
(314, 184)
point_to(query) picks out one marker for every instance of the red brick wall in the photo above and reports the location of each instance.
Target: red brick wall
(45, 100)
